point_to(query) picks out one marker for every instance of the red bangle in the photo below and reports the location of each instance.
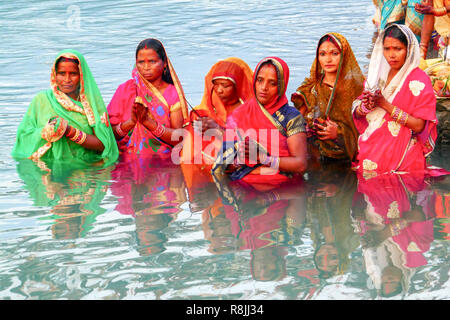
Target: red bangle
(159, 131)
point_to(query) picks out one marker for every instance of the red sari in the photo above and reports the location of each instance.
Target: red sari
(276, 117)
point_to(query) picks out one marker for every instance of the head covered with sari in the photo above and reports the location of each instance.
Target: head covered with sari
(88, 115)
(140, 142)
(145, 89)
(269, 125)
(211, 106)
(410, 90)
(321, 102)
(234, 70)
(252, 114)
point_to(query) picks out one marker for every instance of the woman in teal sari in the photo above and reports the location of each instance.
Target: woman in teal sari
(401, 12)
(67, 122)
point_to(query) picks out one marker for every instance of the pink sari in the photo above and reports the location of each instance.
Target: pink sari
(384, 145)
(389, 199)
(140, 142)
(393, 147)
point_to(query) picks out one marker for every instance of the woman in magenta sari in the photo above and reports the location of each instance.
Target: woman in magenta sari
(396, 114)
(146, 109)
(265, 140)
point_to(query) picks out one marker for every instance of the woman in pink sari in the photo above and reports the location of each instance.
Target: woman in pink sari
(396, 114)
(146, 109)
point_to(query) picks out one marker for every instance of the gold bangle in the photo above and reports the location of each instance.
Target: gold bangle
(439, 12)
(75, 136)
(83, 138)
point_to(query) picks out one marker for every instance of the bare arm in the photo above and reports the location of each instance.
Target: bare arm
(415, 124)
(91, 142)
(297, 162)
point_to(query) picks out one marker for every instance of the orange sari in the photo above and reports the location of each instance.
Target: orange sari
(240, 74)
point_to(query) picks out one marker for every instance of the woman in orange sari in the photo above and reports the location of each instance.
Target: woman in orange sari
(228, 84)
(146, 109)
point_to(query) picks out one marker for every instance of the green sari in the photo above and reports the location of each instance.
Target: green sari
(88, 115)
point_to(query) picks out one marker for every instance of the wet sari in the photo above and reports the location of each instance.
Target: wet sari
(201, 148)
(271, 126)
(402, 207)
(197, 161)
(334, 103)
(88, 115)
(140, 142)
(384, 145)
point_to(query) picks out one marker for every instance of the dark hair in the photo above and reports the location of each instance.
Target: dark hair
(395, 32)
(64, 59)
(325, 38)
(156, 45)
(328, 38)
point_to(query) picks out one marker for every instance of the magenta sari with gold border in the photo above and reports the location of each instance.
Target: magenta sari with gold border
(393, 147)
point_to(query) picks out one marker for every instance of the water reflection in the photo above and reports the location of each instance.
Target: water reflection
(394, 217)
(331, 189)
(264, 222)
(73, 194)
(152, 192)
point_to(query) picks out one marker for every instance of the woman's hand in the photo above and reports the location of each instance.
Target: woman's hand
(424, 8)
(134, 116)
(205, 123)
(380, 101)
(140, 112)
(329, 131)
(248, 151)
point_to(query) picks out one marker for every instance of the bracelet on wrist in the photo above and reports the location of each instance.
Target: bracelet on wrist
(119, 130)
(159, 131)
(439, 12)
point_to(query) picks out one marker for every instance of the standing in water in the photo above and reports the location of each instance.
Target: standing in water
(228, 84)
(67, 122)
(273, 127)
(326, 97)
(397, 123)
(146, 109)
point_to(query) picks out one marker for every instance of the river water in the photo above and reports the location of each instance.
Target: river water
(122, 234)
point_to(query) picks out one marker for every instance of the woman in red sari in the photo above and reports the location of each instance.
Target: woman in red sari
(274, 146)
(396, 123)
(146, 109)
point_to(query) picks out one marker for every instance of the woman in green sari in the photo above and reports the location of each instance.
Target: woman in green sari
(67, 122)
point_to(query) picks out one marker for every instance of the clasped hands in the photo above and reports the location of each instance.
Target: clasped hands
(370, 101)
(140, 113)
(327, 131)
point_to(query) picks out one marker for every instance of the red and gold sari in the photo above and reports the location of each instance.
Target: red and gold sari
(276, 117)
